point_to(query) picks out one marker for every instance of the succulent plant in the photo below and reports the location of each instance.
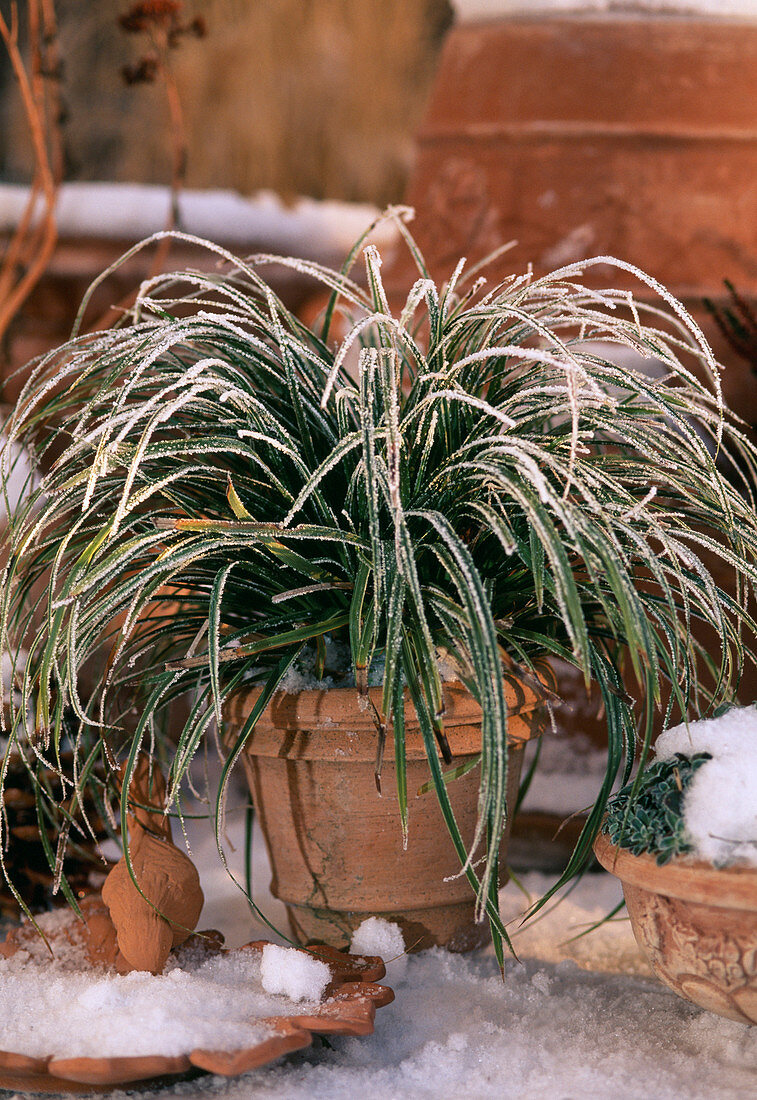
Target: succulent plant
(646, 815)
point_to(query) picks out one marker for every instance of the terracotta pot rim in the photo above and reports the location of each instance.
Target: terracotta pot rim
(329, 724)
(351, 689)
(733, 887)
(320, 723)
(530, 698)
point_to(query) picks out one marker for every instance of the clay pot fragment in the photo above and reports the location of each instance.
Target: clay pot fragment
(95, 932)
(159, 910)
(348, 1008)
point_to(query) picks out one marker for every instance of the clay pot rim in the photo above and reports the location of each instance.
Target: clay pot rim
(324, 719)
(456, 688)
(733, 887)
(376, 690)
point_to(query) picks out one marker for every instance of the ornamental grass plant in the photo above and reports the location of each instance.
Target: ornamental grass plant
(479, 475)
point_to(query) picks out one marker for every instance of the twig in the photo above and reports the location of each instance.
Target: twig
(161, 21)
(737, 321)
(33, 241)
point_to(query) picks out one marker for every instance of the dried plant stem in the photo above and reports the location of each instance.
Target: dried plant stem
(34, 239)
(179, 153)
(178, 144)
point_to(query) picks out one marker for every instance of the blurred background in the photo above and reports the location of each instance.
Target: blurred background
(303, 97)
(285, 125)
(573, 128)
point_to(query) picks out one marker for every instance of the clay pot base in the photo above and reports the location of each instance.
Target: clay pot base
(453, 926)
(349, 1007)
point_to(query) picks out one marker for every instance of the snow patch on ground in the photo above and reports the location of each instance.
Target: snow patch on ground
(549, 1031)
(66, 1008)
(574, 1018)
(376, 936)
(720, 804)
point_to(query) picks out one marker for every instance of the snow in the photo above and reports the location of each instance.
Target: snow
(574, 1018)
(337, 665)
(376, 936)
(340, 672)
(215, 1002)
(546, 1033)
(293, 974)
(295, 681)
(310, 229)
(467, 10)
(578, 1016)
(720, 804)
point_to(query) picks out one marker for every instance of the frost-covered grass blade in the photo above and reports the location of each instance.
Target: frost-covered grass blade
(493, 482)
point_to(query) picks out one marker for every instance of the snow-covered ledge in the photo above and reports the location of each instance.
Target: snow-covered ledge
(323, 231)
(469, 10)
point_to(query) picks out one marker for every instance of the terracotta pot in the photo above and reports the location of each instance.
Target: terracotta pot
(696, 924)
(336, 845)
(623, 134)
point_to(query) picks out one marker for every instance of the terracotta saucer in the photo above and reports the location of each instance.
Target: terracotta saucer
(348, 1008)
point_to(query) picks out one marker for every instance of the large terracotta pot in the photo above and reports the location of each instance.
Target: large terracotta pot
(626, 134)
(335, 844)
(696, 924)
